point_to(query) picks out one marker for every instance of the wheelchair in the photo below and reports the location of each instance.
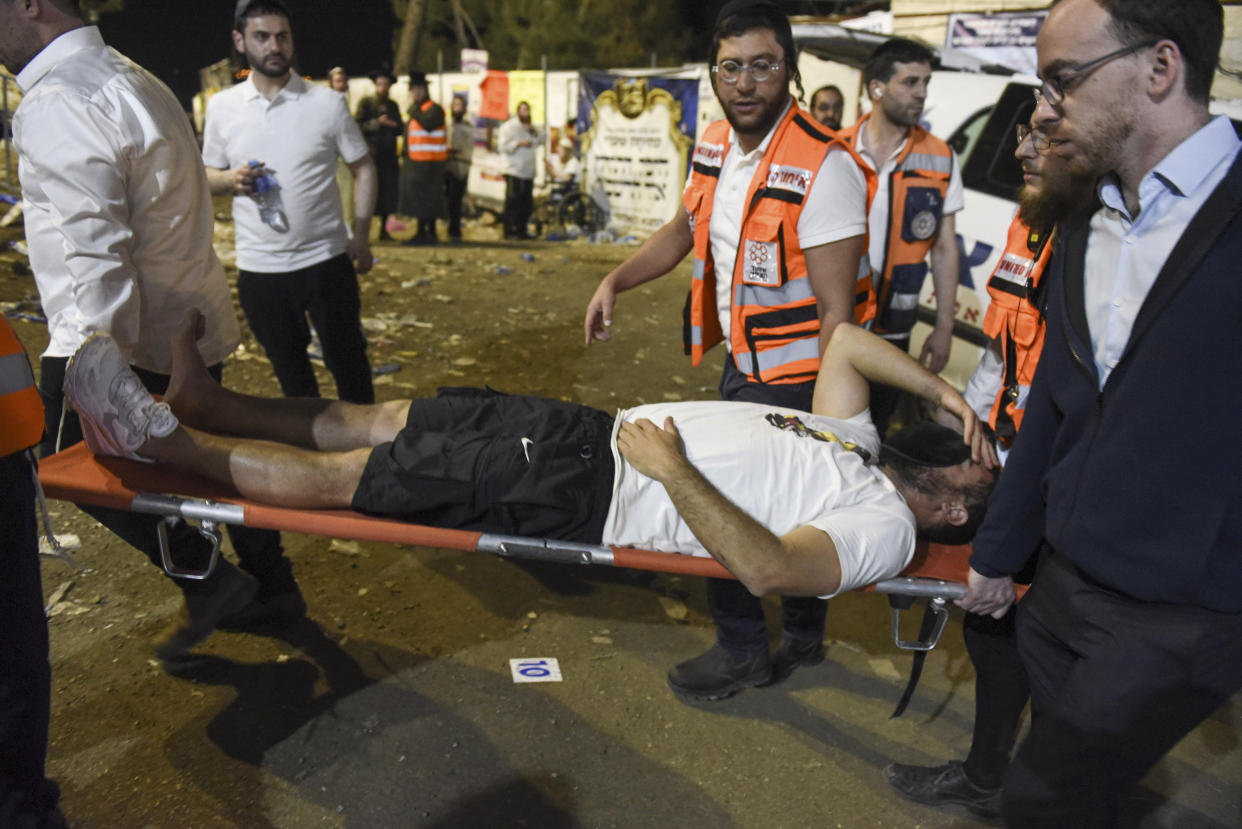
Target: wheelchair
(566, 206)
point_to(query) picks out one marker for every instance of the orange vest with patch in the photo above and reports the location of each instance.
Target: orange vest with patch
(1015, 318)
(774, 319)
(426, 144)
(916, 193)
(21, 408)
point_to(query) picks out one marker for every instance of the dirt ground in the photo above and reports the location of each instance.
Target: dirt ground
(393, 704)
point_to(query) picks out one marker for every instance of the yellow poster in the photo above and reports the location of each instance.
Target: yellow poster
(528, 86)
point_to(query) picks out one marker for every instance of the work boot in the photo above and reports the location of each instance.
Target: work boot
(274, 611)
(201, 613)
(719, 673)
(940, 785)
(794, 653)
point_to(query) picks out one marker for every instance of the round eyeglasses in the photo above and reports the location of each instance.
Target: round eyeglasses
(730, 71)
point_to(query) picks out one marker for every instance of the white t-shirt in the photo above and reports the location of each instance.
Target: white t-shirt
(117, 209)
(877, 218)
(298, 135)
(835, 209)
(781, 475)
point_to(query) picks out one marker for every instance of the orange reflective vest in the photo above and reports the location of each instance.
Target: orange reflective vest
(425, 136)
(916, 193)
(1015, 318)
(774, 320)
(21, 408)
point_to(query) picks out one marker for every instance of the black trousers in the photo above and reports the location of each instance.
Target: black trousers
(276, 306)
(1115, 683)
(1001, 693)
(454, 192)
(258, 551)
(519, 204)
(25, 675)
(738, 614)
(884, 399)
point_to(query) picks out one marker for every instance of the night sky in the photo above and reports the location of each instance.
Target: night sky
(176, 38)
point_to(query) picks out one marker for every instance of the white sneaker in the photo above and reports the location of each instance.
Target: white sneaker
(118, 414)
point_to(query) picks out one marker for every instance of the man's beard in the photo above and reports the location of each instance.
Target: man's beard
(1060, 193)
(925, 480)
(458, 116)
(764, 119)
(257, 65)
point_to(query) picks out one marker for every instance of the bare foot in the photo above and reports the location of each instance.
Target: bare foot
(191, 389)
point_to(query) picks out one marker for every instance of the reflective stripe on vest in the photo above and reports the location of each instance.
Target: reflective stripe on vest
(426, 145)
(21, 409)
(1015, 319)
(916, 194)
(773, 313)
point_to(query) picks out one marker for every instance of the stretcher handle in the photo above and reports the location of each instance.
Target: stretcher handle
(209, 514)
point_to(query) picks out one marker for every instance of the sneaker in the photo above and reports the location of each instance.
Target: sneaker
(276, 610)
(719, 673)
(200, 614)
(793, 654)
(118, 414)
(940, 785)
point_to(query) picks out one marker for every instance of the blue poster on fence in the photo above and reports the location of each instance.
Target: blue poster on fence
(636, 136)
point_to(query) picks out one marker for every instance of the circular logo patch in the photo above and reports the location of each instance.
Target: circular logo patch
(923, 225)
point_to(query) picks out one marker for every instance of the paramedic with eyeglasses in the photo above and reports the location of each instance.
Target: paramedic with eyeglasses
(777, 268)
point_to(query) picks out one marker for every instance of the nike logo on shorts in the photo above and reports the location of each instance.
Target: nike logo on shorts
(527, 443)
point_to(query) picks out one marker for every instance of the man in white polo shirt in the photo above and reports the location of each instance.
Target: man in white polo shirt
(273, 141)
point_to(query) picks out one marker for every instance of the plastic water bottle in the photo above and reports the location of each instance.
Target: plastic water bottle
(267, 196)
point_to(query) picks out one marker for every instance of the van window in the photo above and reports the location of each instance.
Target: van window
(965, 137)
(990, 166)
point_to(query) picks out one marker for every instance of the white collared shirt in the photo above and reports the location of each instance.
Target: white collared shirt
(298, 135)
(877, 218)
(1125, 254)
(118, 213)
(835, 209)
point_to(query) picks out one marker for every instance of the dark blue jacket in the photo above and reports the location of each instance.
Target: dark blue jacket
(1140, 485)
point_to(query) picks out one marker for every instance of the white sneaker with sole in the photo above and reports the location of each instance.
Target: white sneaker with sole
(118, 414)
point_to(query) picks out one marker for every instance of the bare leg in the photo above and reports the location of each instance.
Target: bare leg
(328, 425)
(272, 473)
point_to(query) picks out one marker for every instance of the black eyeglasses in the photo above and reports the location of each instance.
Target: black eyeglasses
(1055, 87)
(1039, 139)
(730, 71)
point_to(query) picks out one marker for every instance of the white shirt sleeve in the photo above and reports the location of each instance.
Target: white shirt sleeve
(836, 205)
(80, 177)
(215, 148)
(873, 542)
(954, 199)
(986, 381)
(349, 141)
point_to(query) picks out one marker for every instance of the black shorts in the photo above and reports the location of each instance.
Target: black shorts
(477, 459)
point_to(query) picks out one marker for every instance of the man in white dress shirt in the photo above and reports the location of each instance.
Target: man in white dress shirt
(119, 224)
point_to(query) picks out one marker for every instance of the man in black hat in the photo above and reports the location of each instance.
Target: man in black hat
(273, 142)
(776, 214)
(379, 118)
(426, 154)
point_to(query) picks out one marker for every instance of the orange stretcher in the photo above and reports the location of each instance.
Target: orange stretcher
(936, 572)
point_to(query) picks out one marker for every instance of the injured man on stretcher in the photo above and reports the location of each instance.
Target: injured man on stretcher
(791, 503)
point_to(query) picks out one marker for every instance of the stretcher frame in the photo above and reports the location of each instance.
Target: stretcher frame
(936, 573)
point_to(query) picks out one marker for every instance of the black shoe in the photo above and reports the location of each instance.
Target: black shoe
(719, 673)
(794, 653)
(280, 609)
(938, 785)
(200, 614)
